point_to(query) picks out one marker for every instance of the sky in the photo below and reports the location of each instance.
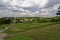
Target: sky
(28, 8)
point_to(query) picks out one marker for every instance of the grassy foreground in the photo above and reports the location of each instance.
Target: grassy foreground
(34, 31)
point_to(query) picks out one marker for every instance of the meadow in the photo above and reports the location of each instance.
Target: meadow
(34, 31)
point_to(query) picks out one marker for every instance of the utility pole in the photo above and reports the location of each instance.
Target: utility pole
(14, 20)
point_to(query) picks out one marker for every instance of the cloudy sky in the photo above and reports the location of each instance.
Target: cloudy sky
(28, 8)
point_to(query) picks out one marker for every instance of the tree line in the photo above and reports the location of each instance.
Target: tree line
(28, 20)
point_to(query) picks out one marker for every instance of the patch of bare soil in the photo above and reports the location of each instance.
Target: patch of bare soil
(16, 29)
(2, 35)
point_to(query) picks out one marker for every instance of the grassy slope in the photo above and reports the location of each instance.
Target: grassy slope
(35, 31)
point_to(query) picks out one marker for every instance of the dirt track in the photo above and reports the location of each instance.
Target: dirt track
(2, 35)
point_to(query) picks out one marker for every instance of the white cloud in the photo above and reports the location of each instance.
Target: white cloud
(56, 6)
(25, 3)
(44, 10)
(18, 7)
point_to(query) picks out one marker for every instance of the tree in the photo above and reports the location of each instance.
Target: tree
(58, 12)
(5, 21)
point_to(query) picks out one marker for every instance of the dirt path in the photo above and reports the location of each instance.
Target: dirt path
(2, 35)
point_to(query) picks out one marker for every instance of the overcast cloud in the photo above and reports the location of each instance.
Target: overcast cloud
(28, 8)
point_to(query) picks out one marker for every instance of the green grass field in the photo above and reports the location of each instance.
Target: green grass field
(34, 31)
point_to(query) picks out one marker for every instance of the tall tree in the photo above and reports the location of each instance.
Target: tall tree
(58, 12)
